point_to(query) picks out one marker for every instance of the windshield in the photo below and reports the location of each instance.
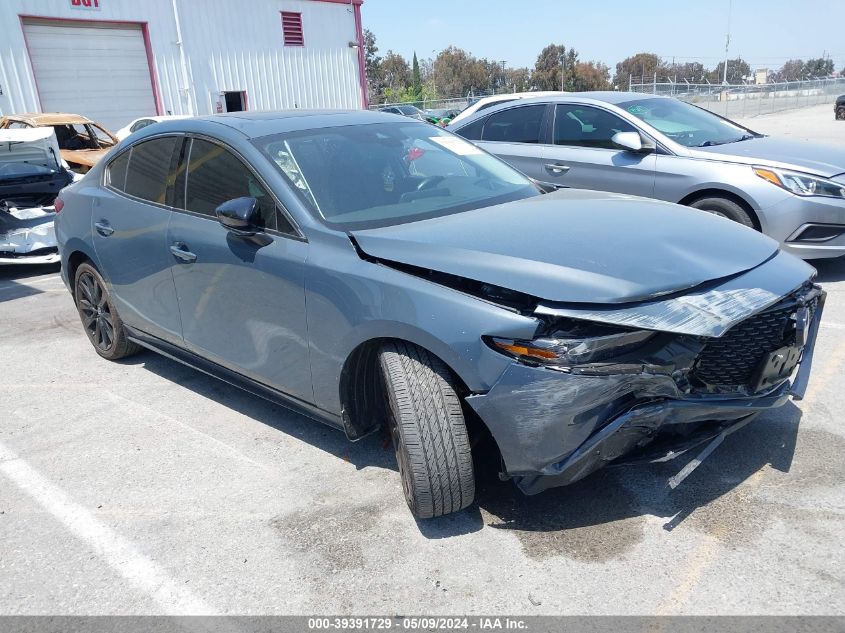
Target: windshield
(23, 170)
(409, 110)
(687, 124)
(365, 176)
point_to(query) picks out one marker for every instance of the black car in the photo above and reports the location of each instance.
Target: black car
(839, 108)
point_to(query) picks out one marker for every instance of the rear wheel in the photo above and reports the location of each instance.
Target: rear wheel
(726, 209)
(99, 318)
(427, 427)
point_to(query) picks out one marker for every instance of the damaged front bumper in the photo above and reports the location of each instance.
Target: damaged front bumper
(554, 427)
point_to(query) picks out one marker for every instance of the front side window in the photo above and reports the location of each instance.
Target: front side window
(215, 175)
(687, 124)
(363, 176)
(515, 125)
(585, 126)
(148, 169)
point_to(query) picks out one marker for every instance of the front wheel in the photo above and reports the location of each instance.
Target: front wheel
(840, 113)
(429, 434)
(98, 315)
(725, 208)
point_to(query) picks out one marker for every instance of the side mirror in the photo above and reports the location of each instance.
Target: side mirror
(630, 141)
(240, 216)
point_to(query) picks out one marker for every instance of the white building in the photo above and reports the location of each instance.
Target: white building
(117, 60)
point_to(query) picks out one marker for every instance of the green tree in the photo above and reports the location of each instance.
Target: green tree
(819, 68)
(372, 67)
(640, 68)
(693, 72)
(738, 69)
(591, 76)
(555, 68)
(458, 73)
(792, 70)
(517, 79)
(395, 72)
(416, 78)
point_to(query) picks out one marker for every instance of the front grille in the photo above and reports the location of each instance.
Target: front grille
(730, 361)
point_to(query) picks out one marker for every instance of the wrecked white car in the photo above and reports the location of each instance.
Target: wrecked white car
(31, 175)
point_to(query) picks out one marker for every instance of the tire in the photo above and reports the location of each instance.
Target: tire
(725, 208)
(426, 423)
(99, 317)
(840, 113)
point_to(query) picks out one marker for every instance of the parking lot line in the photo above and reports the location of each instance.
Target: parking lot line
(704, 552)
(112, 548)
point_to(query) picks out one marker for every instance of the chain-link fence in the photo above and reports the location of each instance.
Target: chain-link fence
(749, 100)
(451, 103)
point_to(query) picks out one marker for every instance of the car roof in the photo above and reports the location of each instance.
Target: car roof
(606, 96)
(263, 123)
(38, 119)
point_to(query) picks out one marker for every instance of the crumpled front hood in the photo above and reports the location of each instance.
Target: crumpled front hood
(813, 158)
(577, 246)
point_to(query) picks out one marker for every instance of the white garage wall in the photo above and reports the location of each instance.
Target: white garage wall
(228, 45)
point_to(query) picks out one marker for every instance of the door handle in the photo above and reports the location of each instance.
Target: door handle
(556, 168)
(180, 251)
(103, 228)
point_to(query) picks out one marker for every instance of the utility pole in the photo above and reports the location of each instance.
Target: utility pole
(562, 67)
(727, 44)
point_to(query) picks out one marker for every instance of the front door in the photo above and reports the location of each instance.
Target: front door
(242, 300)
(582, 154)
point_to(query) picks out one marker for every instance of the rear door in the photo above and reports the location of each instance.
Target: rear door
(242, 299)
(130, 216)
(514, 135)
(582, 154)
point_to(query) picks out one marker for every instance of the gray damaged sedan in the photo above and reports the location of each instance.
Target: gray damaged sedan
(372, 271)
(663, 148)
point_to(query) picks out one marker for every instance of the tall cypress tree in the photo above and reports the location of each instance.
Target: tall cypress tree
(416, 79)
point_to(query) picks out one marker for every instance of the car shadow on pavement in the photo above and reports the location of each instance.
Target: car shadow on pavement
(369, 451)
(830, 270)
(11, 275)
(602, 500)
(605, 500)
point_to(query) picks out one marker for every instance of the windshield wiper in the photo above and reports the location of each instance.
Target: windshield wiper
(744, 137)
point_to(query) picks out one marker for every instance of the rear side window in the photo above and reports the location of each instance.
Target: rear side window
(117, 171)
(215, 175)
(515, 125)
(472, 131)
(149, 166)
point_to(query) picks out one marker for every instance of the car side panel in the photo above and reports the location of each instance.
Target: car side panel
(599, 169)
(351, 301)
(136, 262)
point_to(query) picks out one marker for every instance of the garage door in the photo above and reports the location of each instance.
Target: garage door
(96, 70)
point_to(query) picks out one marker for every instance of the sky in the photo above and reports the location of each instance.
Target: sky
(765, 33)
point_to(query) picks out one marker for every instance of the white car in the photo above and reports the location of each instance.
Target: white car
(143, 122)
(489, 102)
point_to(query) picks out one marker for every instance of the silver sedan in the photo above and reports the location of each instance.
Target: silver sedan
(663, 148)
